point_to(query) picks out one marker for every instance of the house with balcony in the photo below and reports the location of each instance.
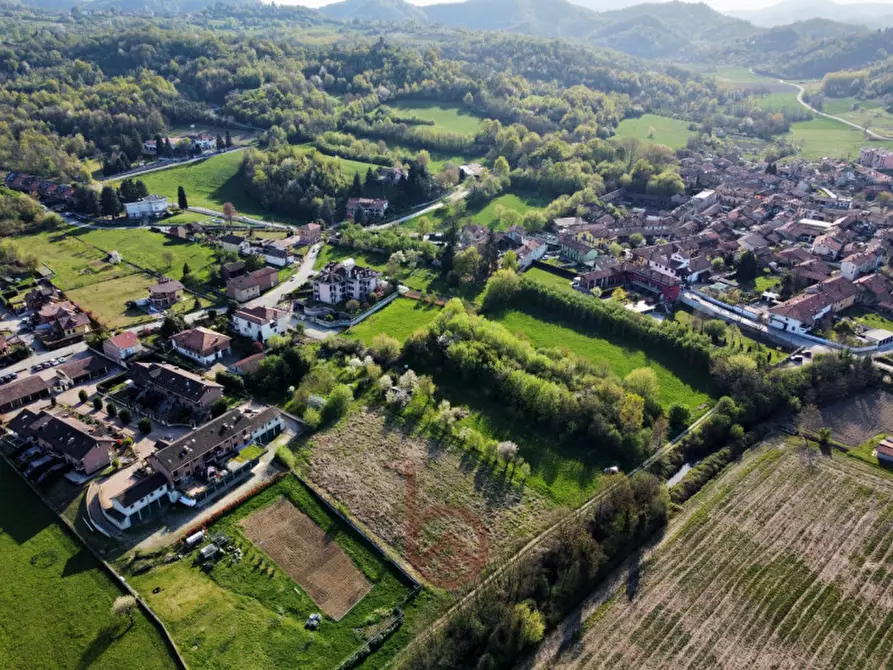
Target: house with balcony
(260, 323)
(165, 293)
(371, 207)
(341, 281)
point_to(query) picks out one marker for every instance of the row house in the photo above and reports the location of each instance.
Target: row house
(182, 388)
(66, 438)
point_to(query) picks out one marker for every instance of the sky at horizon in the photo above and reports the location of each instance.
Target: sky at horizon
(721, 5)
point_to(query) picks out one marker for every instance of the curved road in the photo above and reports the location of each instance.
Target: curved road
(802, 91)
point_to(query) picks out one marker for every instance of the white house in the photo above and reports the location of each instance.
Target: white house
(204, 142)
(260, 323)
(856, 265)
(235, 243)
(338, 282)
(139, 500)
(201, 345)
(530, 251)
(277, 255)
(150, 207)
(800, 314)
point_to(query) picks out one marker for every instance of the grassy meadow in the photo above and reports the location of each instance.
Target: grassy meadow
(826, 137)
(674, 133)
(255, 613)
(400, 319)
(55, 600)
(869, 113)
(553, 280)
(619, 360)
(521, 203)
(447, 117)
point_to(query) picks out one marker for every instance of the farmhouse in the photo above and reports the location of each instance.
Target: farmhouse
(371, 207)
(182, 388)
(66, 438)
(260, 323)
(122, 346)
(151, 207)
(205, 449)
(201, 344)
(246, 287)
(165, 293)
(345, 280)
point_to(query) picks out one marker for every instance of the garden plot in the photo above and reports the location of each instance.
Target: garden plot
(444, 511)
(304, 552)
(785, 564)
(858, 419)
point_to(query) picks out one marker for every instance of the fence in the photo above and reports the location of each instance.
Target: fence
(348, 323)
(557, 271)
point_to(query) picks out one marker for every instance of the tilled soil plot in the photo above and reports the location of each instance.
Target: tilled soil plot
(860, 418)
(443, 510)
(787, 563)
(303, 552)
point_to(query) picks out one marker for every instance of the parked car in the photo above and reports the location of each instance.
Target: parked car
(613, 470)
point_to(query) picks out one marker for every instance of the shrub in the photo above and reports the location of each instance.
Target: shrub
(145, 425)
(82, 395)
(312, 418)
(385, 349)
(125, 416)
(285, 456)
(111, 409)
(337, 403)
(97, 403)
(218, 408)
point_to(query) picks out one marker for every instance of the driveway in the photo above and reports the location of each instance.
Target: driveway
(274, 297)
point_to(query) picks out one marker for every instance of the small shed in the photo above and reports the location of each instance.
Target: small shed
(208, 552)
(194, 539)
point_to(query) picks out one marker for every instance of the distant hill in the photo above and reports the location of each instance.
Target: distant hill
(876, 15)
(553, 18)
(397, 11)
(168, 7)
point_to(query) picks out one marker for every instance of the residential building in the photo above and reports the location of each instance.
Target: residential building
(247, 365)
(138, 501)
(827, 247)
(40, 295)
(372, 207)
(165, 293)
(22, 392)
(260, 323)
(704, 199)
(470, 171)
(277, 254)
(246, 287)
(80, 370)
(122, 346)
(234, 243)
(876, 158)
(884, 451)
(182, 388)
(191, 456)
(338, 282)
(310, 234)
(530, 251)
(800, 313)
(151, 207)
(855, 265)
(576, 251)
(201, 345)
(203, 142)
(232, 270)
(67, 438)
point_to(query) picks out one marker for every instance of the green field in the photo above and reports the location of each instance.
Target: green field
(869, 113)
(74, 263)
(779, 102)
(869, 319)
(674, 133)
(107, 301)
(453, 119)
(400, 319)
(826, 137)
(620, 360)
(550, 279)
(250, 614)
(509, 201)
(55, 600)
(148, 249)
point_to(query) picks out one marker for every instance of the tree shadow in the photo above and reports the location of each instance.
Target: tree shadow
(100, 644)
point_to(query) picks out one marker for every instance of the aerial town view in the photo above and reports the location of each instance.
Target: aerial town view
(487, 334)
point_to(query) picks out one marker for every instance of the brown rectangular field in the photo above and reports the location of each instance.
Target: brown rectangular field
(301, 549)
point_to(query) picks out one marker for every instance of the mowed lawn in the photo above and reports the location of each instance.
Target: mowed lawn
(400, 319)
(74, 263)
(620, 360)
(826, 137)
(674, 133)
(250, 614)
(521, 203)
(107, 301)
(55, 600)
(208, 183)
(549, 279)
(446, 117)
(152, 250)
